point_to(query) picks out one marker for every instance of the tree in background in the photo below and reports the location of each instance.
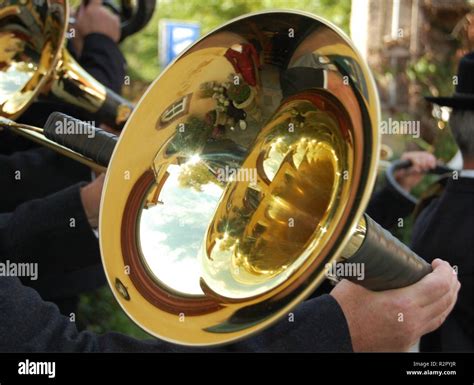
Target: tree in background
(141, 50)
(413, 47)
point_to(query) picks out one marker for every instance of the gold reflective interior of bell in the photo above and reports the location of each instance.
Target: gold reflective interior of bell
(31, 38)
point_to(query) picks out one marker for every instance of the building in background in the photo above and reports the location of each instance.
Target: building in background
(413, 47)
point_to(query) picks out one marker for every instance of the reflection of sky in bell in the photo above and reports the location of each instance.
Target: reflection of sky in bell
(12, 80)
(171, 234)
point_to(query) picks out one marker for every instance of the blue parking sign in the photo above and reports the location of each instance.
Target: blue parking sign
(175, 37)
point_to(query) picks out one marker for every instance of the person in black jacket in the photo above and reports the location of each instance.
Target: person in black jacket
(56, 232)
(445, 227)
(444, 222)
(28, 172)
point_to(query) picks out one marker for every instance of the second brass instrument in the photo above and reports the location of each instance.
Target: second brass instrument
(35, 64)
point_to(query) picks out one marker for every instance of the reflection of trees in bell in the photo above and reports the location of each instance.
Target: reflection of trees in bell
(223, 152)
(195, 176)
(295, 120)
(233, 224)
(301, 122)
(190, 137)
(215, 155)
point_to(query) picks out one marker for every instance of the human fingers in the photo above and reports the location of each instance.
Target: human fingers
(441, 305)
(432, 286)
(436, 321)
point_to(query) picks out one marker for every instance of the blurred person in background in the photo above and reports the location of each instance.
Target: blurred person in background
(444, 226)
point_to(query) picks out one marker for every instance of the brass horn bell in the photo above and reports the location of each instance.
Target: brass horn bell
(242, 173)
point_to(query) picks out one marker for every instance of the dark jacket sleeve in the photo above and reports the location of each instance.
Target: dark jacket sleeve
(386, 206)
(36, 173)
(102, 58)
(319, 325)
(10, 142)
(53, 232)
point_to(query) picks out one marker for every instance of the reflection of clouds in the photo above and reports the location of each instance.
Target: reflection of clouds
(172, 233)
(13, 80)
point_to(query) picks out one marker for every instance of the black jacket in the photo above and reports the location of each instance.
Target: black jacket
(445, 229)
(386, 206)
(29, 324)
(36, 173)
(53, 232)
(39, 229)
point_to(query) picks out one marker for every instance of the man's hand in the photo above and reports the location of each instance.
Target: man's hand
(422, 162)
(394, 320)
(90, 196)
(95, 18)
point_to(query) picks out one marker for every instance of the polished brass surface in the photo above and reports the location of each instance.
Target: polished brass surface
(248, 168)
(356, 239)
(35, 65)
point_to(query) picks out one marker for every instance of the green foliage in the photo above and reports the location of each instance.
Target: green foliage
(434, 79)
(192, 138)
(141, 50)
(195, 176)
(238, 92)
(101, 313)
(445, 145)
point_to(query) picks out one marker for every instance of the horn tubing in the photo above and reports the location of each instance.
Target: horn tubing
(36, 135)
(387, 262)
(87, 140)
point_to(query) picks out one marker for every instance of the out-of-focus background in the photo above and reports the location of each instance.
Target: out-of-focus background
(412, 47)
